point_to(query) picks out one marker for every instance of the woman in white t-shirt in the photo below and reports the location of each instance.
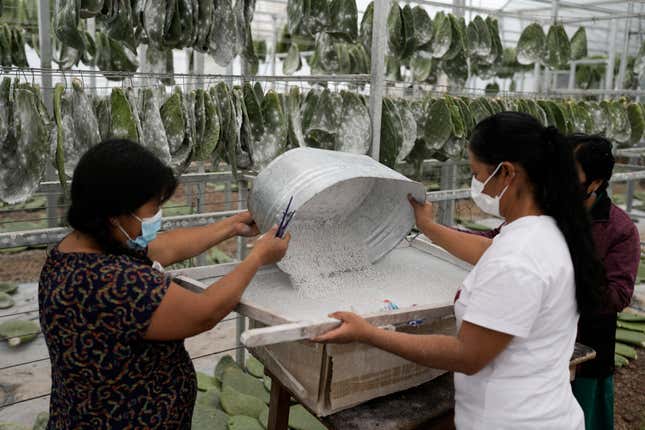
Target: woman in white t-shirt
(517, 310)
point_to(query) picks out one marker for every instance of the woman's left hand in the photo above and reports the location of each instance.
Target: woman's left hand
(352, 329)
(244, 225)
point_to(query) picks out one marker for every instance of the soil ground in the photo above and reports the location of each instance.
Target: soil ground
(629, 386)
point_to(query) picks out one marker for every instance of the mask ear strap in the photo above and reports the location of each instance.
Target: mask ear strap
(506, 187)
(118, 224)
(492, 175)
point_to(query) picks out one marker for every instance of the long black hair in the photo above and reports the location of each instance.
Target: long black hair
(594, 154)
(547, 158)
(113, 178)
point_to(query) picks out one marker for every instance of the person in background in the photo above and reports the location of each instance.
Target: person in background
(114, 325)
(617, 243)
(517, 310)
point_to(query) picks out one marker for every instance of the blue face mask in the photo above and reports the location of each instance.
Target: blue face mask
(149, 229)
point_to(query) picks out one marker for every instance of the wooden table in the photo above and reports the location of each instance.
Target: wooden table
(416, 408)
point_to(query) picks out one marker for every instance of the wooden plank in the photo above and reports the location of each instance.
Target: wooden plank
(279, 405)
(308, 329)
(286, 333)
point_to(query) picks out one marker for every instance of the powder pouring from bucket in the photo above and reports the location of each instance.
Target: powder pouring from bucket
(350, 212)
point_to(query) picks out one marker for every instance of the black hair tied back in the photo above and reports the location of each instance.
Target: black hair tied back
(113, 178)
(548, 159)
(551, 134)
(594, 154)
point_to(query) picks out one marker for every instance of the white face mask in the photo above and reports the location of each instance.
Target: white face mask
(486, 203)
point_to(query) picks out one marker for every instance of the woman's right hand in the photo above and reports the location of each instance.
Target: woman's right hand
(269, 249)
(423, 213)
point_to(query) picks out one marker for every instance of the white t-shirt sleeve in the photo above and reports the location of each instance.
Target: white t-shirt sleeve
(505, 297)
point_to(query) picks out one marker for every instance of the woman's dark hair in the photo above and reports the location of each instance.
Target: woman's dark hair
(547, 158)
(593, 153)
(115, 177)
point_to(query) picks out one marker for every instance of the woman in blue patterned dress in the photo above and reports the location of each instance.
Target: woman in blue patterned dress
(114, 325)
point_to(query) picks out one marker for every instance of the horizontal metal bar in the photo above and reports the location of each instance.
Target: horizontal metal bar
(492, 12)
(445, 195)
(437, 163)
(631, 151)
(284, 55)
(628, 176)
(629, 166)
(601, 18)
(24, 71)
(590, 61)
(597, 92)
(187, 178)
(579, 5)
(567, 5)
(48, 236)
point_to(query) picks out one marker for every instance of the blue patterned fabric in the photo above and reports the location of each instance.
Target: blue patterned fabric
(94, 312)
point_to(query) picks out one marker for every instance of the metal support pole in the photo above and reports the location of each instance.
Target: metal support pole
(242, 194)
(244, 68)
(274, 43)
(190, 64)
(629, 201)
(240, 324)
(611, 59)
(536, 77)
(91, 28)
(229, 73)
(188, 191)
(623, 57)
(198, 67)
(458, 9)
(548, 75)
(228, 194)
(377, 83)
(45, 41)
(448, 181)
(572, 75)
(201, 258)
(142, 55)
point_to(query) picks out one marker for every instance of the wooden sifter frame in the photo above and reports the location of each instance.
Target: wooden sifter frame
(281, 329)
